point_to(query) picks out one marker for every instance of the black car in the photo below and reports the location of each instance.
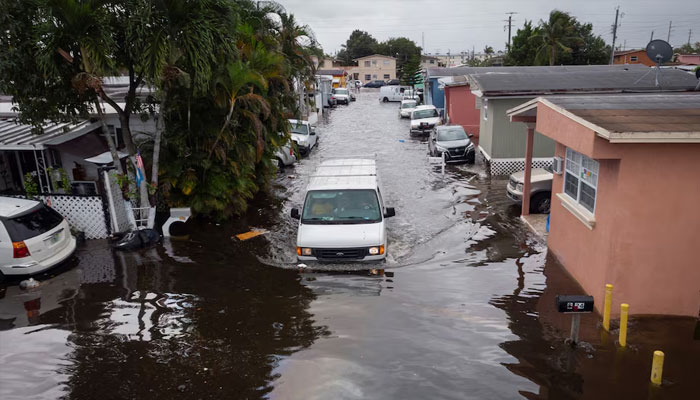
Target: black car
(374, 84)
(393, 82)
(453, 142)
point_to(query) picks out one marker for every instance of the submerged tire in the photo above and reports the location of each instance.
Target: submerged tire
(540, 203)
(385, 100)
(280, 164)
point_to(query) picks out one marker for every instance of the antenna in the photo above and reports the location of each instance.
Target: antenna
(661, 52)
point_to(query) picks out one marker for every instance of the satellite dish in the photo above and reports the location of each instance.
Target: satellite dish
(660, 51)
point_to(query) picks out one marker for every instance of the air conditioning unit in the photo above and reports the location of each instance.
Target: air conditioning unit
(557, 165)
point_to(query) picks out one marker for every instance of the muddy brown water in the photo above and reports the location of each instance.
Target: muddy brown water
(462, 309)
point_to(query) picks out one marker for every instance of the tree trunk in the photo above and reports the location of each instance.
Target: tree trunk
(554, 54)
(108, 135)
(131, 148)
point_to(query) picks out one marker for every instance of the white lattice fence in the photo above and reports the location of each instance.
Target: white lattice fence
(83, 213)
(506, 166)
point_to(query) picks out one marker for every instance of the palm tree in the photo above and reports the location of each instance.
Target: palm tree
(553, 36)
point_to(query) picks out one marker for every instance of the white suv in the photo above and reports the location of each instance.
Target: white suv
(33, 237)
(344, 217)
(304, 135)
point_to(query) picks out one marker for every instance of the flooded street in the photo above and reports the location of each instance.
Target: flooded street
(463, 307)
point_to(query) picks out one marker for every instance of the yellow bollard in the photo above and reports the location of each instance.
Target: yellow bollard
(606, 307)
(624, 310)
(657, 367)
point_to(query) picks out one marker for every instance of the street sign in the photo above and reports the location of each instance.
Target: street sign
(571, 304)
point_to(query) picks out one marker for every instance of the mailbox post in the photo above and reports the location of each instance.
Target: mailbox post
(576, 305)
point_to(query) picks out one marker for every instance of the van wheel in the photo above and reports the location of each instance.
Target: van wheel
(540, 203)
(386, 100)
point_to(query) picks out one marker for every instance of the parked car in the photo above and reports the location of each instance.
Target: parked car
(424, 119)
(540, 189)
(304, 135)
(375, 84)
(452, 142)
(341, 95)
(343, 217)
(33, 237)
(409, 94)
(391, 93)
(285, 156)
(406, 108)
(393, 82)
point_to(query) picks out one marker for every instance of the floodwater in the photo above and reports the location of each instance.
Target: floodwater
(462, 309)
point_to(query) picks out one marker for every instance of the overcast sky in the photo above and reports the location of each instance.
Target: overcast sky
(459, 25)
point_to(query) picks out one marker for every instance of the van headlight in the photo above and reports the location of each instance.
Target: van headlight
(376, 251)
(304, 251)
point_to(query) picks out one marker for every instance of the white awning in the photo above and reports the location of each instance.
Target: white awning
(105, 158)
(14, 136)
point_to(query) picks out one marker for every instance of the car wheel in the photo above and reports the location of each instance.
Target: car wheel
(2, 277)
(540, 203)
(471, 158)
(280, 164)
(385, 100)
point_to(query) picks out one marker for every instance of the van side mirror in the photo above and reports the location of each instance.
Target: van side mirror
(389, 212)
(295, 213)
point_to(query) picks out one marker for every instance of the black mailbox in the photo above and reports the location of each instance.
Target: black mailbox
(574, 303)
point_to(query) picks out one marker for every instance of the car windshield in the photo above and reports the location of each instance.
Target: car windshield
(36, 222)
(341, 207)
(449, 134)
(420, 114)
(409, 104)
(340, 91)
(300, 128)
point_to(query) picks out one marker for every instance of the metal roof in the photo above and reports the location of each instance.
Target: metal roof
(629, 118)
(14, 136)
(580, 79)
(461, 71)
(345, 174)
(331, 72)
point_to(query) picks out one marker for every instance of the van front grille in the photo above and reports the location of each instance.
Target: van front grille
(340, 254)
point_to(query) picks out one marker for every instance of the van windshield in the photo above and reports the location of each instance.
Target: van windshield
(341, 207)
(34, 223)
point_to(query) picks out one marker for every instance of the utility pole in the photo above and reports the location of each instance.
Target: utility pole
(652, 36)
(670, 23)
(690, 32)
(510, 24)
(422, 41)
(612, 52)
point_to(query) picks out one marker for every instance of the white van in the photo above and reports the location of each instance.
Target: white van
(344, 216)
(392, 93)
(33, 237)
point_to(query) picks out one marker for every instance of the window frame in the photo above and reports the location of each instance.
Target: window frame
(585, 164)
(387, 76)
(633, 58)
(368, 77)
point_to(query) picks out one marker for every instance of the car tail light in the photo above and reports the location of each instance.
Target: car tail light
(20, 250)
(291, 151)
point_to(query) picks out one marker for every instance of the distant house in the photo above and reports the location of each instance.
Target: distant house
(429, 62)
(501, 142)
(374, 67)
(624, 208)
(338, 76)
(435, 91)
(633, 57)
(688, 59)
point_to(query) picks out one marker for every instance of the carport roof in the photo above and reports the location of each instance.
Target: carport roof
(14, 136)
(627, 118)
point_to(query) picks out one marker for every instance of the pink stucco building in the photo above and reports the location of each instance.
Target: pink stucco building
(460, 106)
(626, 203)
